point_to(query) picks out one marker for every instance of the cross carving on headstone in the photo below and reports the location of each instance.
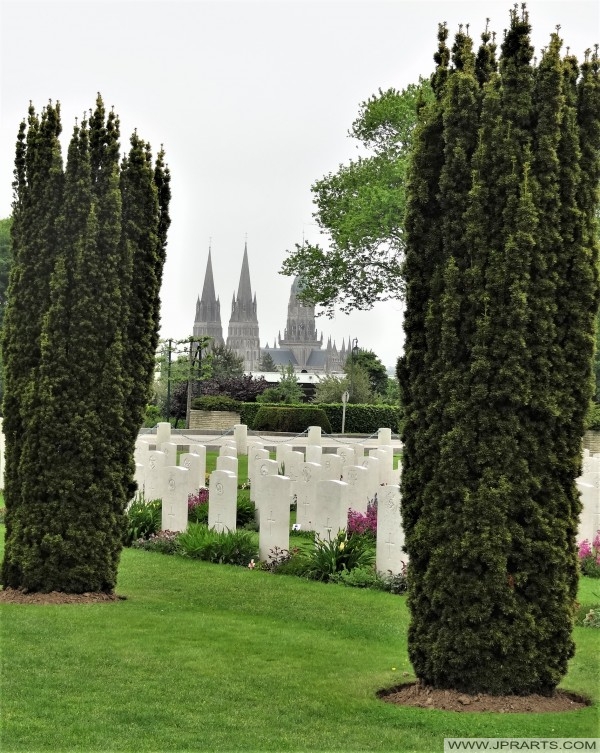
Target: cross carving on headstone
(390, 544)
(270, 521)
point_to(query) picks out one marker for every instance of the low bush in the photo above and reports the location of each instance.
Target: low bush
(589, 557)
(245, 514)
(337, 554)
(198, 506)
(592, 618)
(363, 419)
(144, 518)
(164, 542)
(227, 547)
(291, 419)
(364, 524)
(216, 402)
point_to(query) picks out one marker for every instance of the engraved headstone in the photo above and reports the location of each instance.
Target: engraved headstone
(384, 437)
(357, 478)
(390, 537)
(228, 463)
(170, 450)
(174, 498)
(255, 455)
(228, 450)
(281, 450)
(200, 450)
(347, 454)
(332, 509)
(262, 470)
(152, 480)
(306, 495)
(275, 515)
(372, 465)
(313, 453)
(193, 463)
(222, 501)
(332, 466)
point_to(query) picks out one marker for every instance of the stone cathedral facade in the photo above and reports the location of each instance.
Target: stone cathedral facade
(300, 345)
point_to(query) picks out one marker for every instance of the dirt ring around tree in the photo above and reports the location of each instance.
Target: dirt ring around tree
(17, 596)
(419, 695)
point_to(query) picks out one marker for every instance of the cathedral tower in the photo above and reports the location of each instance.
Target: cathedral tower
(243, 325)
(208, 309)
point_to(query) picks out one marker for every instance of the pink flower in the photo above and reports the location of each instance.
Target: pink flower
(584, 549)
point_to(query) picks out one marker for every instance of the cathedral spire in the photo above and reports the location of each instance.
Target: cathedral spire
(208, 291)
(244, 289)
(208, 308)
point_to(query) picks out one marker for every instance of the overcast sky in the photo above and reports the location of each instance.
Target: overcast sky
(252, 101)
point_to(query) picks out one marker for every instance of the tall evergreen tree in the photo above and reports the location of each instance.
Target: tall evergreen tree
(496, 373)
(66, 501)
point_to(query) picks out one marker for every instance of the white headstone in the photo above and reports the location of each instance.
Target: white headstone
(390, 537)
(174, 498)
(227, 463)
(222, 501)
(357, 478)
(386, 463)
(314, 436)
(372, 465)
(240, 432)
(255, 455)
(262, 470)
(163, 433)
(139, 478)
(359, 452)
(275, 515)
(331, 509)
(228, 450)
(200, 450)
(590, 464)
(306, 495)
(170, 450)
(152, 481)
(281, 450)
(332, 466)
(193, 463)
(384, 437)
(589, 518)
(347, 454)
(293, 464)
(140, 453)
(313, 453)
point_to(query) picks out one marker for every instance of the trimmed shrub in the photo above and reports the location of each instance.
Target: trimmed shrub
(248, 413)
(216, 402)
(363, 419)
(293, 419)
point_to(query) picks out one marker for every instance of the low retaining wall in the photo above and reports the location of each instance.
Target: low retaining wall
(213, 419)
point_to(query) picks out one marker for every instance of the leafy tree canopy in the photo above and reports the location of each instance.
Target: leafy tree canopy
(361, 208)
(375, 369)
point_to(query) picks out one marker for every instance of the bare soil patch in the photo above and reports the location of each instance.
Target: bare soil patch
(16, 596)
(423, 696)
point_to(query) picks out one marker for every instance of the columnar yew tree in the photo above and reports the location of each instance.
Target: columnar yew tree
(502, 292)
(73, 391)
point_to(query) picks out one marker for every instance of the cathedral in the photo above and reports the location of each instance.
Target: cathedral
(300, 345)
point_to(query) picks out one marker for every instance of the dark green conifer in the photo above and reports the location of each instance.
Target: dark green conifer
(506, 376)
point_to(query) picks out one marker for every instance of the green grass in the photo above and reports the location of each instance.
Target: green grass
(203, 657)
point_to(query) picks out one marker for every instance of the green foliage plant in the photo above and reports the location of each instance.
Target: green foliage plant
(162, 542)
(336, 554)
(589, 556)
(224, 548)
(144, 518)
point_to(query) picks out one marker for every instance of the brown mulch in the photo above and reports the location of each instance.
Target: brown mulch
(423, 696)
(15, 596)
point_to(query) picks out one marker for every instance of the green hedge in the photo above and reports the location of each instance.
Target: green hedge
(360, 419)
(216, 402)
(363, 419)
(288, 418)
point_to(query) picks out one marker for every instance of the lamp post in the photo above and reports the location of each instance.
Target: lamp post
(354, 353)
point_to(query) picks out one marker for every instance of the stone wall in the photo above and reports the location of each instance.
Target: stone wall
(213, 419)
(591, 441)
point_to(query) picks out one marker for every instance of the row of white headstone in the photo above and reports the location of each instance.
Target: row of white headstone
(589, 489)
(323, 485)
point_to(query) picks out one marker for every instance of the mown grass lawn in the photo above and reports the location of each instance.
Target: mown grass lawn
(204, 657)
